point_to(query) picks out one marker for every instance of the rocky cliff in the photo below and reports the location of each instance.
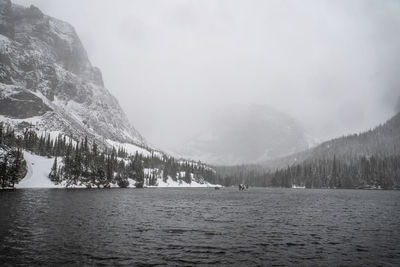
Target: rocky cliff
(47, 80)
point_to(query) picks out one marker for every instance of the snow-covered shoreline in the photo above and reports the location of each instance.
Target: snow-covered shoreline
(38, 169)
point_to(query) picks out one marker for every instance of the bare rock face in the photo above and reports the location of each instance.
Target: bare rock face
(23, 104)
(45, 72)
(6, 21)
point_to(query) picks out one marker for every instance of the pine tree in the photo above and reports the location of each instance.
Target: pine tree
(188, 177)
(76, 165)
(1, 133)
(4, 173)
(109, 170)
(138, 170)
(68, 164)
(48, 145)
(16, 169)
(54, 173)
(122, 180)
(101, 178)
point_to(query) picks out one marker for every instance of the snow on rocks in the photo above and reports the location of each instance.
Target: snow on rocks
(52, 65)
(130, 148)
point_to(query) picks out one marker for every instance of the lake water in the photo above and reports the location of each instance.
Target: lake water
(199, 227)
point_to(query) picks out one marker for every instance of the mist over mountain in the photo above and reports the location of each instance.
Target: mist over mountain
(47, 80)
(48, 84)
(60, 126)
(247, 134)
(383, 140)
(271, 133)
(363, 160)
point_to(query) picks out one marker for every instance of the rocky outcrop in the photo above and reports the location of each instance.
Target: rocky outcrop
(45, 71)
(23, 104)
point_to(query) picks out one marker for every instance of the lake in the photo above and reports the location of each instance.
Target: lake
(176, 227)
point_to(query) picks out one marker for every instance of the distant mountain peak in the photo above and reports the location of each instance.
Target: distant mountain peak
(242, 134)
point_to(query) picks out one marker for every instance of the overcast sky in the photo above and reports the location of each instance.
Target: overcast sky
(333, 65)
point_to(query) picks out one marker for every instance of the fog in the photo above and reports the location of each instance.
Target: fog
(333, 65)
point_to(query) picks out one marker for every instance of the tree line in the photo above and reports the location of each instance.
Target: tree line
(337, 172)
(362, 172)
(366, 160)
(12, 163)
(84, 163)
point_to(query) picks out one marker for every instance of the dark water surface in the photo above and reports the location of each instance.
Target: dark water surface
(199, 227)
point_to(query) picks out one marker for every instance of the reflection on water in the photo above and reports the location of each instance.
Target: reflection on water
(199, 226)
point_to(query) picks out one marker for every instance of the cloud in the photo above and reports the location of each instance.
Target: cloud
(333, 65)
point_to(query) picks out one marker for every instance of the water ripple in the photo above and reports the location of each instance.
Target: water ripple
(181, 227)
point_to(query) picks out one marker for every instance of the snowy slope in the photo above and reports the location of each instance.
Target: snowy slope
(39, 169)
(48, 83)
(38, 172)
(133, 148)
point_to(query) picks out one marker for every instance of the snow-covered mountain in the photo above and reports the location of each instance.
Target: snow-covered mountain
(47, 80)
(247, 134)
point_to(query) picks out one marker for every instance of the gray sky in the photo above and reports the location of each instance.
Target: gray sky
(333, 65)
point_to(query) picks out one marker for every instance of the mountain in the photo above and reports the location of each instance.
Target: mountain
(383, 140)
(367, 160)
(60, 126)
(47, 81)
(247, 134)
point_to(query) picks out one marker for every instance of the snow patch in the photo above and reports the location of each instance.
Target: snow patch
(32, 120)
(172, 183)
(37, 175)
(39, 168)
(130, 148)
(38, 172)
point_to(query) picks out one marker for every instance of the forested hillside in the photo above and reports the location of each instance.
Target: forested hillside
(84, 164)
(366, 160)
(384, 140)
